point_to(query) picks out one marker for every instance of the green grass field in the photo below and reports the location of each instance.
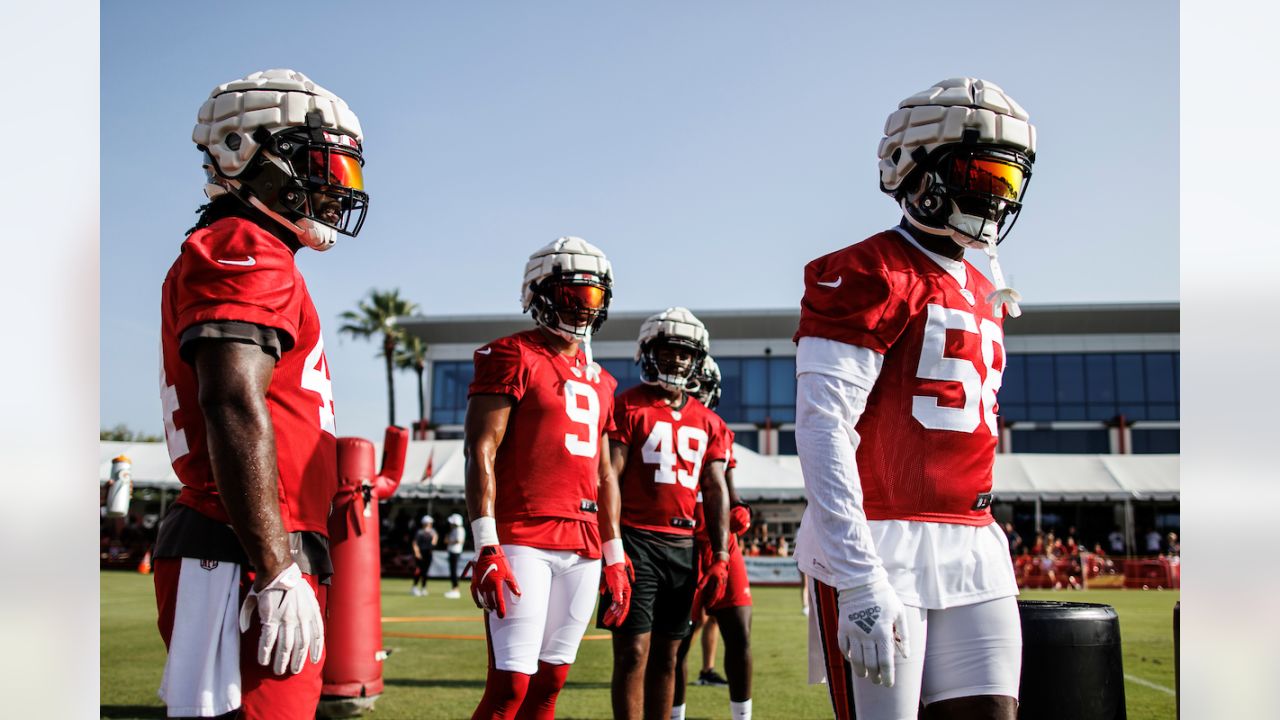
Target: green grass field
(432, 677)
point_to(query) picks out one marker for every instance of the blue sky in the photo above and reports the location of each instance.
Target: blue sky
(709, 148)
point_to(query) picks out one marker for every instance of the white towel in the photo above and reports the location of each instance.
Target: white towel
(202, 673)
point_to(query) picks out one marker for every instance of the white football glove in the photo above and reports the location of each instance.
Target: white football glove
(873, 627)
(291, 621)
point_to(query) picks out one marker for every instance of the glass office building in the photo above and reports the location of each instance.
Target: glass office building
(1079, 379)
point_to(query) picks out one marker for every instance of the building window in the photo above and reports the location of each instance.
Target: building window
(449, 383)
(1089, 442)
(1155, 440)
(748, 439)
(787, 442)
(1090, 387)
(757, 390)
(625, 370)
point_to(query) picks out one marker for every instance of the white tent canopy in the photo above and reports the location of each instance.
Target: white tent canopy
(1020, 477)
(757, 475)
(1086, 477)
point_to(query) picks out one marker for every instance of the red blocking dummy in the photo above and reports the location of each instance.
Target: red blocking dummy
(353, 631)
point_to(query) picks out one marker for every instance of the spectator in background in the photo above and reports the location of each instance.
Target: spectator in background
(1015, 540)
(424, 543)
(1072, 546)
(1024, 566)
(1153, 542)
(1038, 547)
(1047, 554)
(783, 549)
(1058, 550)
(1116, 541)
(453, 543)
(1172, 546)
(1100, 559)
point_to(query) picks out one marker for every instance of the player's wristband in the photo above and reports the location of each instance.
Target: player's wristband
(722, 555)
(613, 552)
(485, 530)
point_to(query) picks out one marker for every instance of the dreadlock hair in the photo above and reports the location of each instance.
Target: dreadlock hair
(228, 205)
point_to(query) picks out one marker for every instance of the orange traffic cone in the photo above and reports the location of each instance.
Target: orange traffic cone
(144, 567)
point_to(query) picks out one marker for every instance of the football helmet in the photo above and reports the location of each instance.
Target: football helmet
(288, 147)
(957, 157)
(567, 288)
(706, 383)
(673, 326)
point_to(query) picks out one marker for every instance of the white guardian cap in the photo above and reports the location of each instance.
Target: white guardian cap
(567, 288)
(957, 158)
(288, 147)
(673, 326)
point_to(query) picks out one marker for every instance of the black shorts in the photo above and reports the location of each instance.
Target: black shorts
(662, 594)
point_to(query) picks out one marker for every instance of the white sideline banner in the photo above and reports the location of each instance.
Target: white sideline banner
(767, 570)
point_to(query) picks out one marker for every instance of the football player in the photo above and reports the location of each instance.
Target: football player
(539, 483)
(242, 557)
(666, 447)
(732, 615)
(900, 356)
(423, 546)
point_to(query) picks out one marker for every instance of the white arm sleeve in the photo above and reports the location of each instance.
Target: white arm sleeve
(834, 380)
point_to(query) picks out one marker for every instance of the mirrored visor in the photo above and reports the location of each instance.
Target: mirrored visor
(580, 297)
(988, 176)
(332, 167)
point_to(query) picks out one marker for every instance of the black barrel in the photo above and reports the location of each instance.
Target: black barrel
(1071, 664)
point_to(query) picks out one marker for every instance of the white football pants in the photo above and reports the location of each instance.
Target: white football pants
(958, 652)
(546, 622)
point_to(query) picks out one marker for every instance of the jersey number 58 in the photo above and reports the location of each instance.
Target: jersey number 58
(977, 388)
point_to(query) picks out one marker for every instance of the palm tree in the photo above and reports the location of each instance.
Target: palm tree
(412, 355)
(375, 315)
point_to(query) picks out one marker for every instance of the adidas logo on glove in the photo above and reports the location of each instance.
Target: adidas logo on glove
(866, 619)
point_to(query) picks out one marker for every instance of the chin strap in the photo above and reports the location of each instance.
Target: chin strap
(310, 233)
(1003, 295)
(593, 370)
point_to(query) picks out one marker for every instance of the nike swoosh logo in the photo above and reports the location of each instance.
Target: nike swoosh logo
(248, 261)
(834, 283)
(488, 570)
(484, 351)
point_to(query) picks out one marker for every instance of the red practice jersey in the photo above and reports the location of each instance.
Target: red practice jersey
(666, 453)
(548, 465)
(234, 270)
(929, 429)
